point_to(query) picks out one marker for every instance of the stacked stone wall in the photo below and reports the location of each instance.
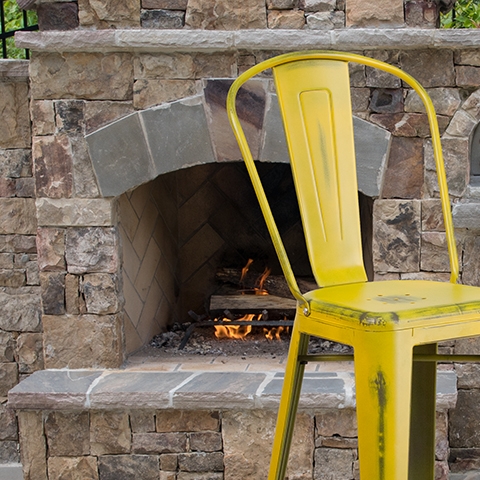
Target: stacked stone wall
(81, 287)
(78, 240)
(223, 15)
(202, 14)
(191, 445)
(20, 325)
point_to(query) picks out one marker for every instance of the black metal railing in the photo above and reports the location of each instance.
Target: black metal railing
(6, 34)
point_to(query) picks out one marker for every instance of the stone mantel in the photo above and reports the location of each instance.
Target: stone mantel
(146, 40)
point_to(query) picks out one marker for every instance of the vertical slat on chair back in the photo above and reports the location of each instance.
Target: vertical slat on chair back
(314, 97)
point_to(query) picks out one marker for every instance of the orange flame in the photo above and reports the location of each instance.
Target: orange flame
(238, 332)
(245, 270)
(273, 333)
(261, 282)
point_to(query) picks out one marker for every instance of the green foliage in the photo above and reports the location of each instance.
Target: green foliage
(466, 14)
(14, 21)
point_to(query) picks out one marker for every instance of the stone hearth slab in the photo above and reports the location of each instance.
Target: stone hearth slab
(204, 390)
(330, 389)
(129, 389)
(217, 389)
(57, 388)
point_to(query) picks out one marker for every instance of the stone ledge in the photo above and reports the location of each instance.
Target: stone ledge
(465, 213)
(196, 390)
(14, 68)
(11, 471)
(146, 40)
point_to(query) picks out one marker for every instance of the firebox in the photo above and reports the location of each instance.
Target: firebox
(186, 205)
(181, 229)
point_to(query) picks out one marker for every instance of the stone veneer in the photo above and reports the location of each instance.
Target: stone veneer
(20, 297)
(222, 15)
(80, 168)
(62, 287)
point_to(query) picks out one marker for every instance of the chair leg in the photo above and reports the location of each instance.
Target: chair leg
(422, 423)
(288, 405)
(383, 372)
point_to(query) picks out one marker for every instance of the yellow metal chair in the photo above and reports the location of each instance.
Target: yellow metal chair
(393, 326)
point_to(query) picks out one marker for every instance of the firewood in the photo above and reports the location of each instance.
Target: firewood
(274, 284)
(253, 304)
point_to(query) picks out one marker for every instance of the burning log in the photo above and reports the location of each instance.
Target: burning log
(255, 293)
(275, 285)
(276, 306)
(264, 300)
(227, 328)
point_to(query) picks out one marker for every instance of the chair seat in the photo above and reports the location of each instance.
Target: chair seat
(395, 304)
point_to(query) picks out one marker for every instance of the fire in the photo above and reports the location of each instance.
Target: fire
(245, 270)
(258, 289)
(273, 333)
(261, 282)
(238, 332)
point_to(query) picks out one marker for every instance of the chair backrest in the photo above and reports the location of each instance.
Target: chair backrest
(313, 89)
(314, 98)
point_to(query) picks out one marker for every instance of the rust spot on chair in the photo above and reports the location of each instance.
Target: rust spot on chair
(380, 386)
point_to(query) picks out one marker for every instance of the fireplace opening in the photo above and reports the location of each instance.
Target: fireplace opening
(183, 232)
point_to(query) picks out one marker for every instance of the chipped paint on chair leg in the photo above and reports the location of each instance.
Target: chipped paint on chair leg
(383, 384)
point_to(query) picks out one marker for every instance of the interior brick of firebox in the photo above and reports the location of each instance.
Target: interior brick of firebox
(148, 233)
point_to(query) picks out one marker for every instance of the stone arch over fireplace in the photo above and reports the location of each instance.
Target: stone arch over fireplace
(137, 148)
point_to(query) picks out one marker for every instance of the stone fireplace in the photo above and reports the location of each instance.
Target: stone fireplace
(118, 206)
